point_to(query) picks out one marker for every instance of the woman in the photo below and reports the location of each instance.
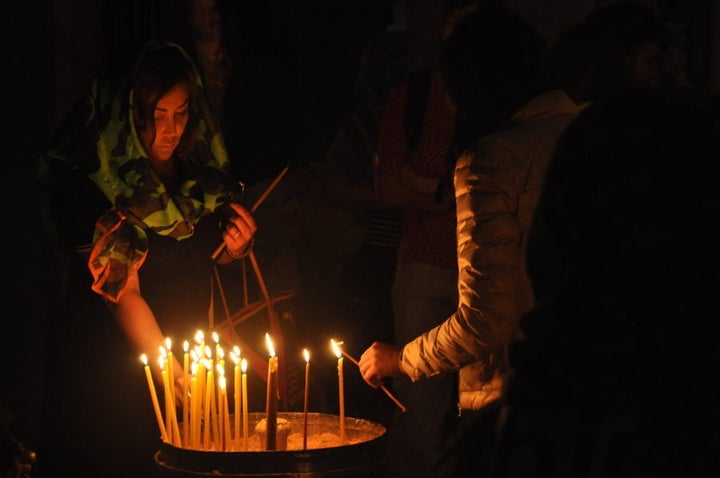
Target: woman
(158, 180)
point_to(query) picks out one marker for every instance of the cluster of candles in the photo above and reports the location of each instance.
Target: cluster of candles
(205, 404)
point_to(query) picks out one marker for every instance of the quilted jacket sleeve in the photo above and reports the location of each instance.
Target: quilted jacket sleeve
(488, 257)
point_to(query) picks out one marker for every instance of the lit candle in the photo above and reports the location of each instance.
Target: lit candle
(306, 354)
(194, 409)
(338, 354)
(227, 437)
(271, 399)
(209, 387)
(235, 356)
(170, 419)
(186, 384)
(210, 403)
(220, 437)
(171, 379)
(200, 339)
(218, 349)
(153, 396)
(161, 362)
(243, 367)
(217, 404)
(200, 372)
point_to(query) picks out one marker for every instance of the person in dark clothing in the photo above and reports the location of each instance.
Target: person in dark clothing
(614, 376)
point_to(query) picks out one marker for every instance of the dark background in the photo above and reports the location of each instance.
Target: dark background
(300, 59)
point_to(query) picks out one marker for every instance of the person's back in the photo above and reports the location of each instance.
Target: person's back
(611, 377)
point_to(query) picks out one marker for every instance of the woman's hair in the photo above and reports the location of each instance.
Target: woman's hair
(160, 70)
(493, 63)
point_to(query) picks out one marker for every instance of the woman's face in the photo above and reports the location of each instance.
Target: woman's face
(171, 116)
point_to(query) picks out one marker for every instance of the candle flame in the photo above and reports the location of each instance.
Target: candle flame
(161, 361)
(269, 343)
(216, 337)
(199, 337)
(336, 348)
(243, 365)
(222, 383)
(193, 368)
(168, 343)
(194, 355)
(208, 351)
(220, 370)
(220, 352)
(144, 359)
(186, 346)
(235, 357)
(236, 349)
(306, 354)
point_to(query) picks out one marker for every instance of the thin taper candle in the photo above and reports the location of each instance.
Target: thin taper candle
(194, 409)
(153, 396)
(208, 400)
(171, 383)
(271, 399)
(226, 421)
(341, 388)
(306, 354)
(243, 366)
(235, 356)
(185, 387)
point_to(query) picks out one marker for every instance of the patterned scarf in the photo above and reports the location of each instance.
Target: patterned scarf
(140, 200)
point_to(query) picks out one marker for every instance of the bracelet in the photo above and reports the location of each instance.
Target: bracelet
(244, 253)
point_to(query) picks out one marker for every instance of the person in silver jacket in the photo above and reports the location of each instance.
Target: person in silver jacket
(495, 67)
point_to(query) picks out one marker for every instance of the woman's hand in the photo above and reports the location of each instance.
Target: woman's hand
(239, 231)
(379, 361)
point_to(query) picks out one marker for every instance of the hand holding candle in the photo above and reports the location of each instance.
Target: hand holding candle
(382, 386)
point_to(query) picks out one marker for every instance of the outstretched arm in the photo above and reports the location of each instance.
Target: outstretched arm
(140, 326)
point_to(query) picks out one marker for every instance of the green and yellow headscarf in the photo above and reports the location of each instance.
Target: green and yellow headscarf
(122, 171)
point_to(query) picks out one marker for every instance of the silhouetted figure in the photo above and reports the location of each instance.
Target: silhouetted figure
(616, 47)
(615, 376)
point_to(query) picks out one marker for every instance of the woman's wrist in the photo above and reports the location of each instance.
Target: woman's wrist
(244, 253)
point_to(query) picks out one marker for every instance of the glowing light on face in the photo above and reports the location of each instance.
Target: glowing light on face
(171, 117)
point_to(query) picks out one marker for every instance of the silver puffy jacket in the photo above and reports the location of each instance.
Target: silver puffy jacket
(496, 190)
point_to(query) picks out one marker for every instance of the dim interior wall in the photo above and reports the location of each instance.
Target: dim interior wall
(78, 48)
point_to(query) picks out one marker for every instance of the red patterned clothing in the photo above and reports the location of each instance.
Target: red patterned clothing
(425, 237)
